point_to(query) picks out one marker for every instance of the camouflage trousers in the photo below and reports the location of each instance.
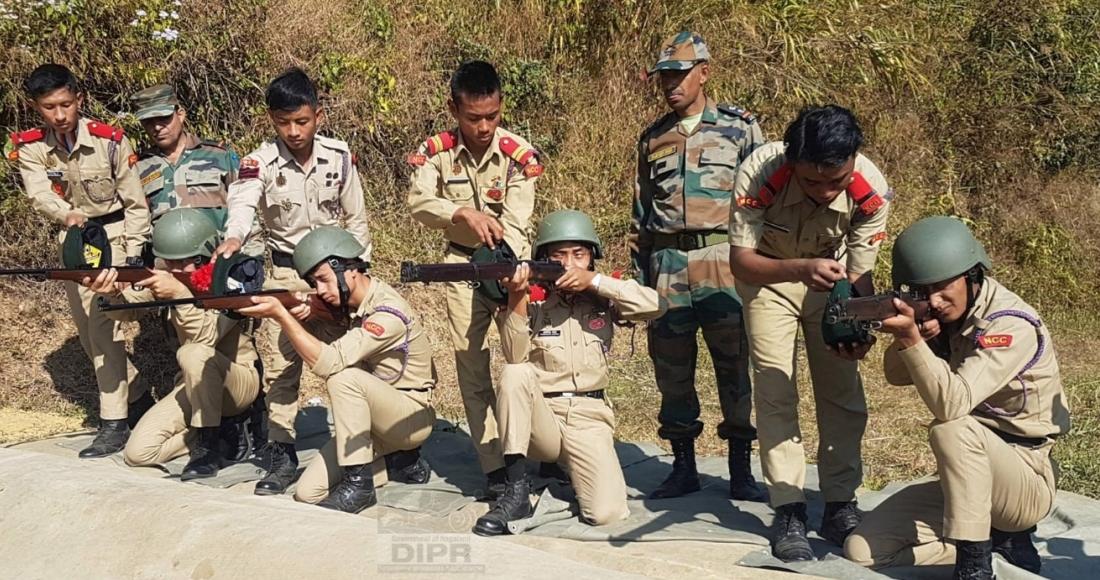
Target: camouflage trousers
(699, 289)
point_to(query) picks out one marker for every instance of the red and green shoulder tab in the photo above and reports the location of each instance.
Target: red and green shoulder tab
(19, 138)
(433, 146)
(859, 190)
(737, 112)
(105, 131)
(524, 156)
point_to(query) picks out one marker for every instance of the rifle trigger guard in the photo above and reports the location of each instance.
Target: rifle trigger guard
(474, 284)
(874, 325)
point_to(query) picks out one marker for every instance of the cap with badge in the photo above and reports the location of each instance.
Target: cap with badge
(681, 52)
(155, 101)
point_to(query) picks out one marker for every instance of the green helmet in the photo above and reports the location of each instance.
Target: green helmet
(568, 225)
(935, 249)
(323, 243)
(184, 233)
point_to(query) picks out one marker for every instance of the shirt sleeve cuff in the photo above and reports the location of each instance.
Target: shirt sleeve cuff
(328, 362)
(744, 239)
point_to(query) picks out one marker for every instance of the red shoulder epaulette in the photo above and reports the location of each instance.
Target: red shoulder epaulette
(864, 196)
(441, 142)
(775, 183)
(521, 153)
(28, 136)
(105, 131)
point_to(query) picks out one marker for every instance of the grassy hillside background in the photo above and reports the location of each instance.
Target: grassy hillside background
(985, 110)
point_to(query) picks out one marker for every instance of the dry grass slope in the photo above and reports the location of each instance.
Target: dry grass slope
(986, 111)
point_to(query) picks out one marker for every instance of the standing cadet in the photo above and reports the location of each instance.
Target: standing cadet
(378, 371)
(809, 211)
(477, 184)
(687, 162)
(218, 378)
(297, 182)
(985, 366)
(180, 169)
(551, 403)
(80, 172)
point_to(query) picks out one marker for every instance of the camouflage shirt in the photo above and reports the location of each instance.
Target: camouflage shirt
(685, 181)
(200, 178)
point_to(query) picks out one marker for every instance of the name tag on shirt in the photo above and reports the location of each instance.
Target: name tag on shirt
(549, 333)
(458, 180)
(55, 174)
(661, 153)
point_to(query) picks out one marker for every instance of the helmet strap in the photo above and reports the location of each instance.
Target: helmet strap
(339, 269)
(974, 278)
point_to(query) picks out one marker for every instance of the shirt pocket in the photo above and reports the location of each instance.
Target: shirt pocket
(460, 190)
(718, 168)
(282, 208)
(665, 173)
(206, 188)
(777, 235)
(99, 186)
(328, 199)
(548, 353)
(597, 339)
(829, 245)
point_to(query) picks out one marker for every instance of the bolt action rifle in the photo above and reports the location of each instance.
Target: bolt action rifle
(545, 270)
(129, 274)
(227, 302)
(849, 318)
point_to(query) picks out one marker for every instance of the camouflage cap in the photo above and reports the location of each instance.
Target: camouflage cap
(681, 52)
(155, 101)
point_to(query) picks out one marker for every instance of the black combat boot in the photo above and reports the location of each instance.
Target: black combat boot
(205, 459)
(354, 493)
(281, 462)
(137, 409)
(973, 560)
(234, 439)
(684, 478)
(408, 467)
(257, 423)
(111, 438)
(789, 541)
(840, 518)
(514, 504)
(1016, 547)
(495, 482)
(743, 485)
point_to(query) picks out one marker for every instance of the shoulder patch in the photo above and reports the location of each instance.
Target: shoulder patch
(864, 196)
(775, 183)
(522, 154)
(441, 142)
(995, 340)
(249, 169)
(738, 112)
(28, 136)
(373, 328)
(105, 131)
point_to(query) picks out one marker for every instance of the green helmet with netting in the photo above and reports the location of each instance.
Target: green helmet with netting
(935, 249)
(185, 233)
(323, 243)
(567, 225)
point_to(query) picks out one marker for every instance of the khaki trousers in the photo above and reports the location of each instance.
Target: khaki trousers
(575, 431)
(773, 315)
(470, 313)
(282, 364)
(983, 482)
(372, 418)
(208, 386)
(103, 341)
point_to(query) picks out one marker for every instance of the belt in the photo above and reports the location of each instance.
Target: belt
(687, 241)
(111, 218)
(1030, 442)
(462, 249)
(422, 390)
(571, 394)
(282, 259)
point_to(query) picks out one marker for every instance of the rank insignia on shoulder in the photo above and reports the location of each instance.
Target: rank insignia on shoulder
(662, 153)
(738, 112)
(416, 159)
(995, 340)
(28, 136)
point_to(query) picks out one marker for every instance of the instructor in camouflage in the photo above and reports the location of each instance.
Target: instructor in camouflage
(687, 162)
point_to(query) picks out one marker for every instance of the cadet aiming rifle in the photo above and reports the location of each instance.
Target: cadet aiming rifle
(129, 274)
(849, 318)
(210, 302)
(546, 270)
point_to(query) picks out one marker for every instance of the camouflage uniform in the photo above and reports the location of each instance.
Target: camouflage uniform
(679, 246)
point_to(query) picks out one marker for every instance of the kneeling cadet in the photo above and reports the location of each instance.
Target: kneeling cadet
(218, 380)
(376, 364)
(551, 404)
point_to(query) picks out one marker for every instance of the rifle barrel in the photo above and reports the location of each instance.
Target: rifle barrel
(413, 272)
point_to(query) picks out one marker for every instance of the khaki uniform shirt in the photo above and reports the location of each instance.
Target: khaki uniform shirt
(983, 376)
(500, 186)
(294, 201)
(96, 179)
(380, 342)
(567, 337)
(794, 226)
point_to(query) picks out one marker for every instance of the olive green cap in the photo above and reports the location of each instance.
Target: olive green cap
(323, 243)
(568, 225)
(935, 249)
(184, 233)
(155, 101)
(682, 51)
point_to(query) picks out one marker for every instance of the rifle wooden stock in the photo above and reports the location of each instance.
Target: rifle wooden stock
(872, 309)
(209, 302)
(128, 274)
(548, 270)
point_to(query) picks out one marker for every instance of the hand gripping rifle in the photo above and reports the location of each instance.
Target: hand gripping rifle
(849, 318)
